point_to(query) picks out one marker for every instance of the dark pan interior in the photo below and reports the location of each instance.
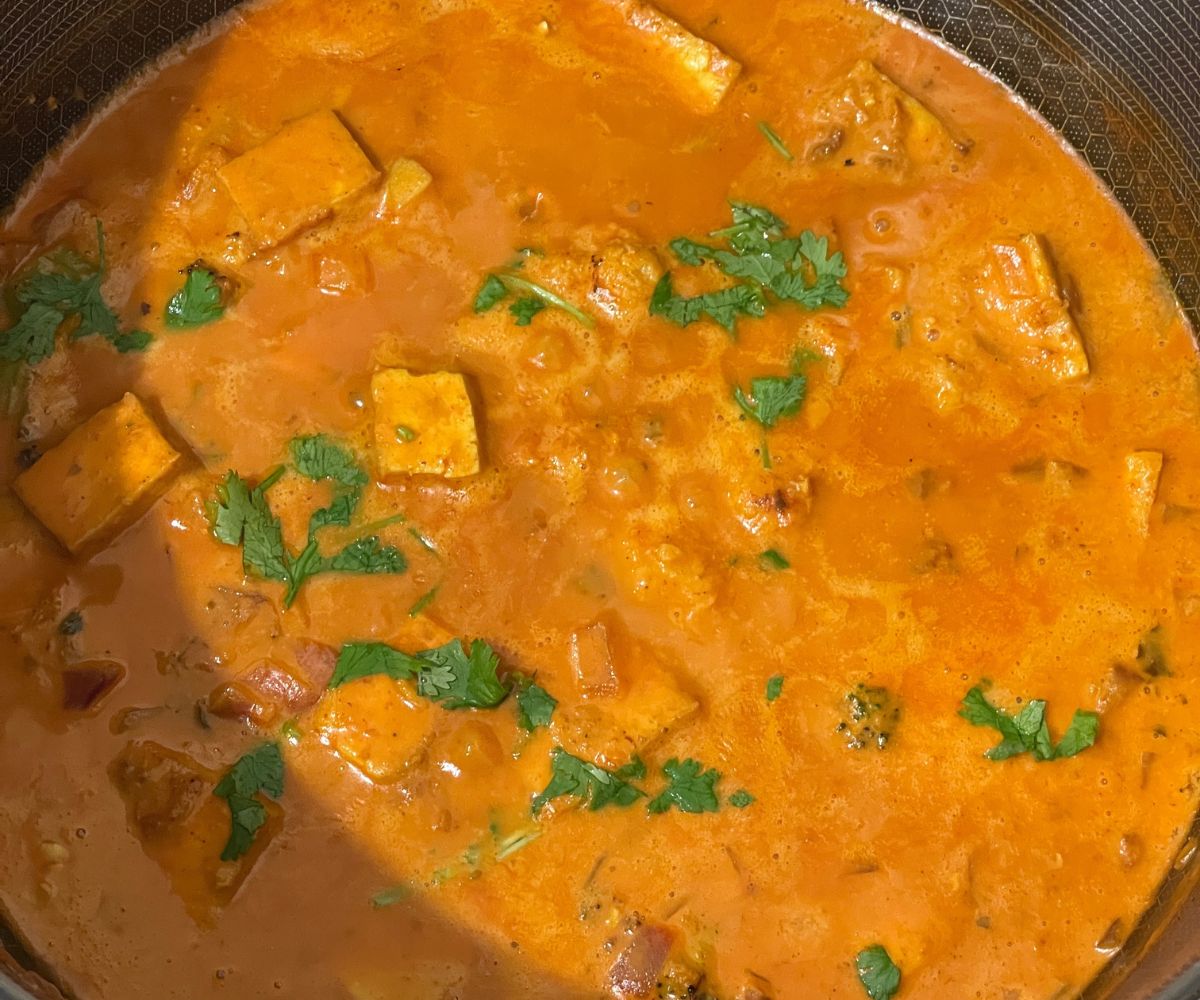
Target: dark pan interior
(1120, 79)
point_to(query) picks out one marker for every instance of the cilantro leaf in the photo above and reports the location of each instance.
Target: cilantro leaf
(769, 266)
(773, 560)
(569, 775)
(450, 675)
(524, 309)
(199, 301)
(31, 338)
(1027, 731)
(532, 298)
(242, 516)
(774, 688)
(258, 771)
(64, 287)
(723, 306)
(1080, 734)
(535, 706)
(772, 397)
(366, 659)
(422, 602)
(879, 975)
(366, 555)
(691, 788)
(457, 678)
(491, 293)
(318, 457)
(635, 770)
(741, 799)
(776, 142)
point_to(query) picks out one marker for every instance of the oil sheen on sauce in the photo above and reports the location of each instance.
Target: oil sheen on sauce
(946, 506)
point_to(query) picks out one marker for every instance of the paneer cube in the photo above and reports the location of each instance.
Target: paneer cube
(1142, 472)
(92, 485)
(406, 180)
(701, 71)
(424, 424)
(182, 826)
(297, 177)
(1029, 318)
(378, 725)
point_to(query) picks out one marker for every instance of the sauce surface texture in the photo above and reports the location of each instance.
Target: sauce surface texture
(560, 501)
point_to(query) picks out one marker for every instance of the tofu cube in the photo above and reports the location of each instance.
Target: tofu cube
(378, 725)
(296, 178)
(1142, 472)
(701, 71)
(1029, 317)
(93, 484)
(406, 180)
(424, 424)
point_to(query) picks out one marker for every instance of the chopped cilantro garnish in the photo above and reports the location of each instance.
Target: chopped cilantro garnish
(879, 975)
(531, 298)
(773, 559)
(691, 788)
(405, 434)
(65, 287)
(769, 266)
(524, 309)
(569, 775)
(450, 675)
(1027, 731)
(741, 798)
(776, 142)
(199, 301)
(774, 688)
(535, 706)
(422, 602)
(391, 896)
(243, 516)
(260, 770)
(291, 732)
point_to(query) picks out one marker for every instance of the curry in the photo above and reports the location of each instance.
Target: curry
(587, 499)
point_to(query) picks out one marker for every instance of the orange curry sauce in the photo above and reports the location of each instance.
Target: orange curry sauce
(970, 491)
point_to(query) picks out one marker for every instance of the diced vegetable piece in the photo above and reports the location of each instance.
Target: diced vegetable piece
(637, 969)
(591, 661)
(406, 180)
(424, 424)
(1029, 318)
(91, 485)
(85, 684)
(296, 178)
(611, 731)
(377, 724)
(1142, 472)
(181, 825)
(702, 71)
(268, 689)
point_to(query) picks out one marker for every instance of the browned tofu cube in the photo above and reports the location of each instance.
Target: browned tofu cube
(94, 483)
(297, 177)
(1029, 318)
(377, 724)
(700, 70)
(424, 424)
